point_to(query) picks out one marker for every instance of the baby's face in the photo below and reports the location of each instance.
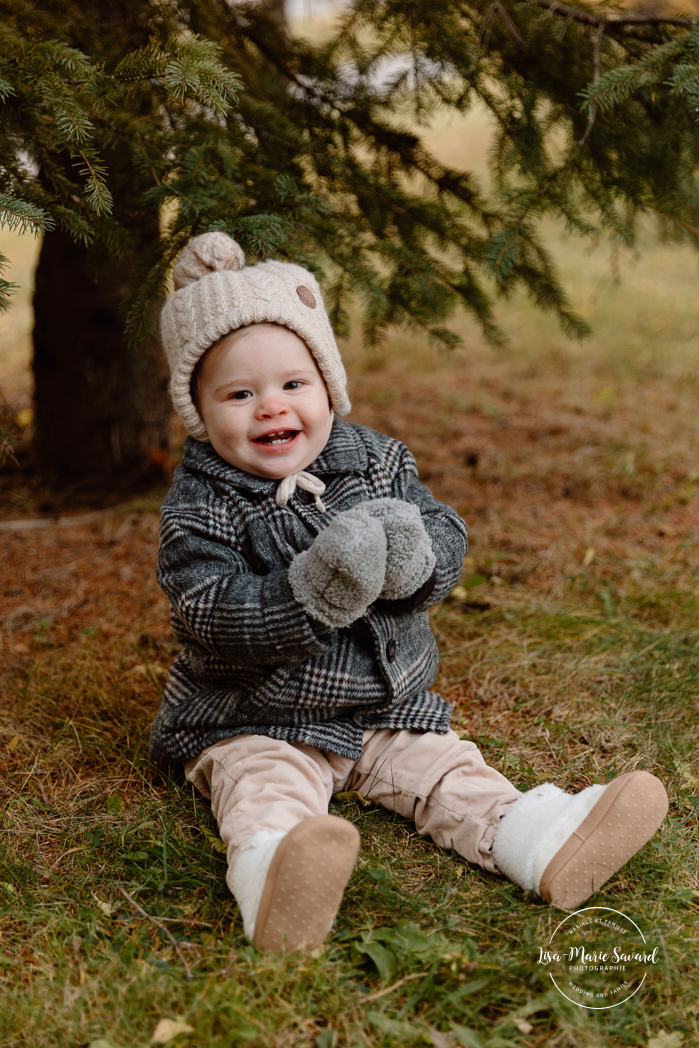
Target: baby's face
(264, 402)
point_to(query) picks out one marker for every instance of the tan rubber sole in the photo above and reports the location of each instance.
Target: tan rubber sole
(625, 817)
(304, 885)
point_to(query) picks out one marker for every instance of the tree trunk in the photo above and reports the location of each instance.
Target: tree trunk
(102, 408)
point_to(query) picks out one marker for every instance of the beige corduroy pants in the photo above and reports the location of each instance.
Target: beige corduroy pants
(257, 783)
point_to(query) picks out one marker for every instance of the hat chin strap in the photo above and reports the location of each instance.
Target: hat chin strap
(305, 481)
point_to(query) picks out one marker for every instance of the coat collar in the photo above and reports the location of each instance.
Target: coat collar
(344, 453)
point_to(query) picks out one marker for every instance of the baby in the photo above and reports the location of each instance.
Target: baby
(300, 555)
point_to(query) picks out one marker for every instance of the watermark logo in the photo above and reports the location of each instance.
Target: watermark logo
(598, 958)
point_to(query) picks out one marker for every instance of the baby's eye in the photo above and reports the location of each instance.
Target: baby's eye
(241, 394)
(294, 384)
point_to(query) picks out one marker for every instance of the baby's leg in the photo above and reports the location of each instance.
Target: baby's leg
(562, 846)
(288, 860)
(440, 781)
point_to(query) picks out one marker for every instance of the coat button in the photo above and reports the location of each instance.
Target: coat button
(305, 496)
(391, 649)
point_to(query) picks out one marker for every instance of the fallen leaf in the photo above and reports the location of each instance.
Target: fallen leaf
(214, 842)
(352, 795)
(115, 803)
(24, 417)
(101, 1042)
(106, 908)
(667, 1040)
(687, 773)
(168, 1029)
(523, 1026)
(589, 556)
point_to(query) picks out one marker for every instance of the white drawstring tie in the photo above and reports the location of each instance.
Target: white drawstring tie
(305, 481)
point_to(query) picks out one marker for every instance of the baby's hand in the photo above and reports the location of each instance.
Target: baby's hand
(343, 572)
(409, 559)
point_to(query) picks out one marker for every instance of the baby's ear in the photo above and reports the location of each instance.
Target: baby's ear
(195, 381)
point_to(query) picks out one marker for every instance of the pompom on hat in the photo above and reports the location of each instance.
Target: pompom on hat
(216, 294)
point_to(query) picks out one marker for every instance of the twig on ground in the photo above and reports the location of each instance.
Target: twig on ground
(61, 522)
(390, 989)
(186, 920)
(46, 875)
(159, 924)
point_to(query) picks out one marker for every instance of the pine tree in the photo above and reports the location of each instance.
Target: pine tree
(94, 97)
(128, 126)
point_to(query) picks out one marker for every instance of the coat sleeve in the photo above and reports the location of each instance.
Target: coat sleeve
(443, 524)
(217, 600)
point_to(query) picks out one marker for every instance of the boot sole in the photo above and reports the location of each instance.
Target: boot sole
(305, 883)
(625, 817)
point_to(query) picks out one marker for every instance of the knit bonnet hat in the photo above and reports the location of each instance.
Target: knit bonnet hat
(216, 294)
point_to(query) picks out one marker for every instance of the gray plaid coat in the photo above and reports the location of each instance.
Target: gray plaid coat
(253, 660)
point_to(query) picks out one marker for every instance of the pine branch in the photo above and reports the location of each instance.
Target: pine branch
(608, 18)
(315, 154)
(509, 240)
(18, 214)
(618, 84)
(6, 288)
(94, 172)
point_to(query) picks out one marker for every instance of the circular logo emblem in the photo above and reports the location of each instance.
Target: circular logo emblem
(306, 296)
(598, 958)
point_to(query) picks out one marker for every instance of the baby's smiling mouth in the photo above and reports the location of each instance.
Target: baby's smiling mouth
(281, 436)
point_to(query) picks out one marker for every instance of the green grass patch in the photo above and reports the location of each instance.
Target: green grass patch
(426, 949)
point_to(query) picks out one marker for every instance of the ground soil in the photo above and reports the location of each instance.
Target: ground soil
(558, 476)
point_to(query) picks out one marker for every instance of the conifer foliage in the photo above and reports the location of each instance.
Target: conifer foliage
(205, 114)
(57, 106)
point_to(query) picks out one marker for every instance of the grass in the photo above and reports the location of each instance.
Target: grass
(555, 694)
(570, 655)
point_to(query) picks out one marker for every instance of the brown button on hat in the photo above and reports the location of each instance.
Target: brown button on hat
(216, 294)
(306, 296)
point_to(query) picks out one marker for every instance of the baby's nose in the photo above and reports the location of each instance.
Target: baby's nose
(271, 406)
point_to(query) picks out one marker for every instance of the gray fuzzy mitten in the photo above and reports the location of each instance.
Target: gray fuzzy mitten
(343, 572)
(409, 560)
